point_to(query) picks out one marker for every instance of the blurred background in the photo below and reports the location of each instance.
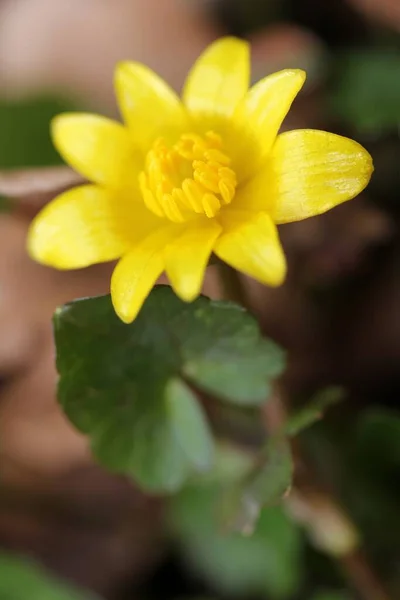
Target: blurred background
(338, 314)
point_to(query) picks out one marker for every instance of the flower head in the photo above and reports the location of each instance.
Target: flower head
(182, 179)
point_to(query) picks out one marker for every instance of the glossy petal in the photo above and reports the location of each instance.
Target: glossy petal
(314, 171)
(137, 271)
(148, 105)
(98, 148)
(308, 173)
(267, 104)
(87, 225)
(219, 79)
(250, 244)
(187, 256)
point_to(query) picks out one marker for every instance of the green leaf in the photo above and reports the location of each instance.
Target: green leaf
(21, 580)
(242, 375)
(122, 384)
(25, 133)
(266, 563)
(269, 481)
(189, 424)
(5, 204)
(313, 411)
(367, 91)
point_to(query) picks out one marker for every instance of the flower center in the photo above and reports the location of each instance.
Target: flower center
(192, 176)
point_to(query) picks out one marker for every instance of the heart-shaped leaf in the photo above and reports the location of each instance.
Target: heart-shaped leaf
(126, 386)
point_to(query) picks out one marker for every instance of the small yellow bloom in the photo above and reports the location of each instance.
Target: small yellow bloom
(183, 179)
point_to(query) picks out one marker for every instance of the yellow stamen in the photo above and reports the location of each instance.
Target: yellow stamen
(193, 195)
(191, 177)
(211, 205)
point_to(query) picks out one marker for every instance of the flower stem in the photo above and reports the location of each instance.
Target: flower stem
(232, 285)
(309, 503)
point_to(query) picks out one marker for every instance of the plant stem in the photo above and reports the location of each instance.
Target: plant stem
(232, 285)
(329, 527)
(362, 578)
(309, 503)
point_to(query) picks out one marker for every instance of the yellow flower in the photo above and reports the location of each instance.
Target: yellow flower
(183, 179)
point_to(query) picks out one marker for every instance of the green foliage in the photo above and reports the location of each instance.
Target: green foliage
(331, 595)
(271, 477)
(5, 204)
(21, 580)
(371, 464)
(379, 429)
(242, 373)
(25, 134)
(126, 386)
(314, 410)
(265, 485)
(372, 458)
(267, 562)
(366, 93)
(364, 458)
(188, 424)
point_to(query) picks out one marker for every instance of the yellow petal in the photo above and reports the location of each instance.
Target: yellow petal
(136, 273)
(250, 244)
(267, 104)
(314, 171)
(219, 78)
(187, 256)
(308, 173)
(150, 108)
(98, 148)
(87, 225)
